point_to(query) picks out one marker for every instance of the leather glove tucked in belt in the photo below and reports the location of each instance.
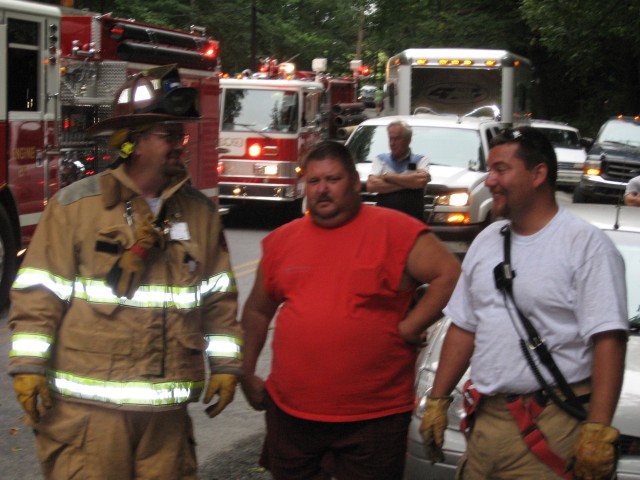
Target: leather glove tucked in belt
(434, 423)
(595, 452)
(224, 385)
(125, 276)
(27, 387)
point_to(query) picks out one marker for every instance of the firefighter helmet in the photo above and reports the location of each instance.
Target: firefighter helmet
(149, 97)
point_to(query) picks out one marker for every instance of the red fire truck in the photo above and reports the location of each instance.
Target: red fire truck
(269, 121)
(59, 71)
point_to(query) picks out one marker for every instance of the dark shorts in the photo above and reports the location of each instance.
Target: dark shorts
(297, 449)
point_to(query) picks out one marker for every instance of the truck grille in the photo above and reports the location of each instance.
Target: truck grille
(620, 170)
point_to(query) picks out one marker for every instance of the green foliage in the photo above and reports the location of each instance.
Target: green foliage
(586, 52)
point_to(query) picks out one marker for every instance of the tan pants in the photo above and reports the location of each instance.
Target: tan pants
(75, 441)
(496, 450)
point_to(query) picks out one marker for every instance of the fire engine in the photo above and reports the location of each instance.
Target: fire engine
(270, 119)
(60, 69)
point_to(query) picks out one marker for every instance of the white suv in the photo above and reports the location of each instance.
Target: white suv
(570, 149)
(457, 205)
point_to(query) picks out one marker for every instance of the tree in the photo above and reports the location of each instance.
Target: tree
(598, 45)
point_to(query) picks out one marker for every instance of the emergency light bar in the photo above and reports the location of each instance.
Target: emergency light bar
(455, 62)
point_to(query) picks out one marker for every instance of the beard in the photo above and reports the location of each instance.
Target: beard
(175, 170)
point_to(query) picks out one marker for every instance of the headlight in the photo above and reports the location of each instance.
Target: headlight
(457, 199)
(592, 167)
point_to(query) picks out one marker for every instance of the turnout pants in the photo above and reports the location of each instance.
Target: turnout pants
(77, 441)
(496, 450)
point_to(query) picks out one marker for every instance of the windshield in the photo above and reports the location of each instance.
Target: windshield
(629, 246)
(454, 147)
(620, 132)
(260, 110)
(561, 138)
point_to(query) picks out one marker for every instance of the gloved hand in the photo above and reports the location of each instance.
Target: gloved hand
(224, 385)
(595, 453)
(124, 277)
(27, 387)
(434, 423)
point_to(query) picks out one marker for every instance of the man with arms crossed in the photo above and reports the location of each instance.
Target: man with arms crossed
(400, 176)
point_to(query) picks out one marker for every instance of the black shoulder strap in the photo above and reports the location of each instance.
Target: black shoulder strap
(504, 276)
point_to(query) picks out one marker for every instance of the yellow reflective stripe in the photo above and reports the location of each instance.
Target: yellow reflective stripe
(30, 345)
(125, 393)
(223, 282)
(224, 346)
(30, 277)
(146, 296)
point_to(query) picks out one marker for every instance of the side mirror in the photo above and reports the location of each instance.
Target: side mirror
(586, 142)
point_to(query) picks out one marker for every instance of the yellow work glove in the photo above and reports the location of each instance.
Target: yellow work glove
(434, 423)
(27, 387)
(595, 452)
(125, 276)
(224, 385)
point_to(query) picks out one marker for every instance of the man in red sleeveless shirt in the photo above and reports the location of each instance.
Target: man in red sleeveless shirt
(339, 396)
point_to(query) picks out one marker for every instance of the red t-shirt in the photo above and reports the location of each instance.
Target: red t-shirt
(337, 354)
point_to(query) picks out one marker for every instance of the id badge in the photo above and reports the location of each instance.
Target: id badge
(179, 231)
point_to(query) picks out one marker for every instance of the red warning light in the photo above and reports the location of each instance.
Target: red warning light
(255, 150)
(116, 32)
(211, 50)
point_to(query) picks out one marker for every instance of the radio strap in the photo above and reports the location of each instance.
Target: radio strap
(504, 283)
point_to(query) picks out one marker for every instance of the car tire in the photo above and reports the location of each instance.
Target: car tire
(8, 260)
(579, 195)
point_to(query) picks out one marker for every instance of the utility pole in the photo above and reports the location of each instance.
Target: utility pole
(360, 33)
(253, 61)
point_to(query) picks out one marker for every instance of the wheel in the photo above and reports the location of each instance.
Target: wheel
(293, 210)
(8, 261)
(579, 196)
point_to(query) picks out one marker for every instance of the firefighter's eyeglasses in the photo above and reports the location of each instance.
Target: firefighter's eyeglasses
(173, 138)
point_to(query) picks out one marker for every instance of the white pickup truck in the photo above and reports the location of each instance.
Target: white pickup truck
(457, 205)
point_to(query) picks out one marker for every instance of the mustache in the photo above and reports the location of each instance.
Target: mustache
(325, 197)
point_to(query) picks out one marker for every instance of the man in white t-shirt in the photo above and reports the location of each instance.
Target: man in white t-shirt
(568, 282)
(632, 192)
(400, 176)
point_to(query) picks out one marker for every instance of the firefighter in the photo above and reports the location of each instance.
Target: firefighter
(126, 285)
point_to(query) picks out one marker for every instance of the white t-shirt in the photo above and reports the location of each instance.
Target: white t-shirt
(569, 282)
(633, 186)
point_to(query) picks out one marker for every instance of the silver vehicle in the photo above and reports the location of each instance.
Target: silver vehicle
(623, 228)
(457, 205)
(569, 147)
(367, 95)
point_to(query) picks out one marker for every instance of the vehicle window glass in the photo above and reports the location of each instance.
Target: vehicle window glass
(22, 65)
(443, 146)
(620, 132)
(627, 243)
(561, 138)
(260, 110)
(310, 108)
